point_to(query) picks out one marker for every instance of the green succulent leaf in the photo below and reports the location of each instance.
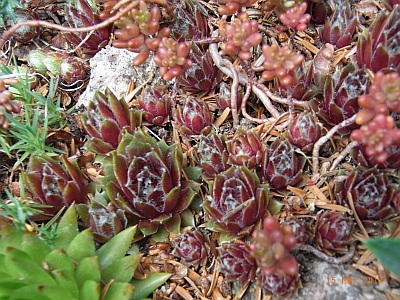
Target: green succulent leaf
(144, 287)
(120, 291)
(187, 218)
(193, 172)
(82, 246)
(161, 234)
(274, 207)
(67, 228)
(387, 251)
(116, 247)
(59, 260)
(90, 290)
(121, 270)
(66, 282)
(88, 269)
(20, 265)
(35, 247)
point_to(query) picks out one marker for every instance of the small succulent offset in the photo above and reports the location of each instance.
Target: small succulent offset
(192, 247)
(283, 285)
(105, 121)
(70, 69)
(194, 117)
(237, 202)
(377, 47)
(237, 263)
(340, 27)
(245, 149)
(213, 155)
(144, 179)
(372, 195)
(270, 247)
(68, 267)
(340, 92)
(304, 131)
(280, 63)
(241, 36)
(155, 107)
(24, 34)
(332, 232)
(7, 105)
(57, 183)
(281, 166)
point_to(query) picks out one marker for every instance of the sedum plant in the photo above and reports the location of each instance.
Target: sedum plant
(229, 7)
(69, 268)
(144, 178)
(6, 103)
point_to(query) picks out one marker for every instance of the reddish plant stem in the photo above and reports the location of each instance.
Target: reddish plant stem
(36, 23)
(234, 90)
(324, 139)
(343, 154)
(330, 259)
(242, 80)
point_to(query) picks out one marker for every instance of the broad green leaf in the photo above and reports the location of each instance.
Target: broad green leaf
(90, 290)
(193, 172)
(88, 269)
(121, 270)
(66, 281)
(35, 247)
(187, 218)
(32, 291)
(161, 234)
(387, 251)
(144, 287)
(8, 286)
(59, 260)
(20, 265)
(120, 291)
(116, 247)
(67, 228)
(82, 246)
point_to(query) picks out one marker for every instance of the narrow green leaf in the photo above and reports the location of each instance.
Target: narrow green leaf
(121, 270)
(387, 251)
(144, 287)
(66, 281)
(82, 246)
(274, 207)
(88, 269)
(120, 291)
(193, 172)
(116, 247)
(67, 228)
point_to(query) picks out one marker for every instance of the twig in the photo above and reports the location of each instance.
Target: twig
(234, 90)
(281, 100)
(342, 155)
(242, 79)
(330, 259)
(324, 139)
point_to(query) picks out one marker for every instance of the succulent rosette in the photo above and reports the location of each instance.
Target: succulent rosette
(332, 232)
(194, 117)
(144, 179)
(371, 192)
(245, 149)
(236, 262)
(282, 167)
(304, 131)
(340, 93)
(105, 120)
(237, 202)
(192, 247)
(24, 34)
(213, 155)
(57, 183)
(278, 284)
(155, 107)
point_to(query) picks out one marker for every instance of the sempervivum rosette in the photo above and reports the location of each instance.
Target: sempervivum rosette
(237, 202)
(144, 178)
